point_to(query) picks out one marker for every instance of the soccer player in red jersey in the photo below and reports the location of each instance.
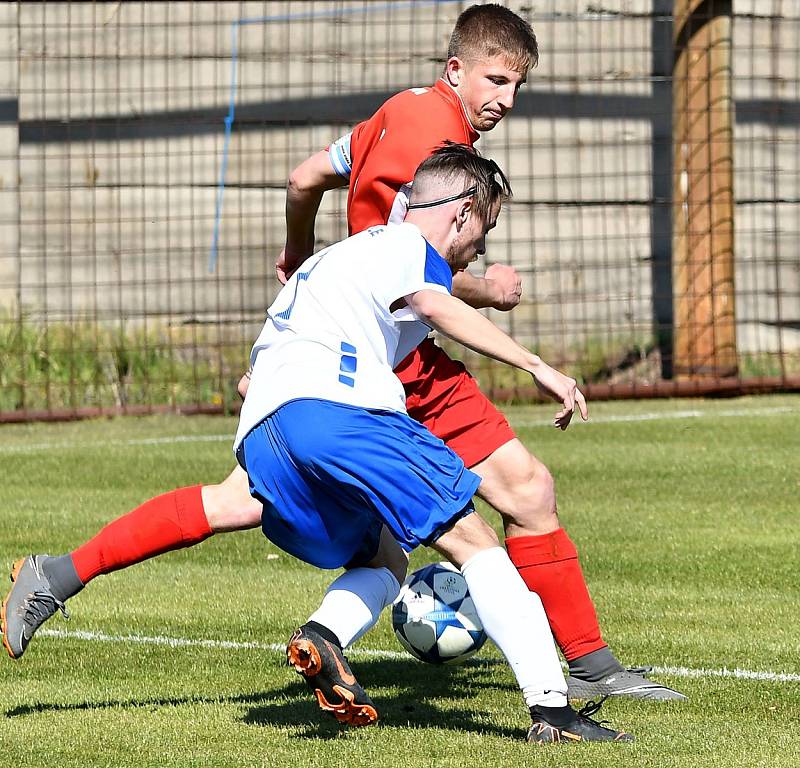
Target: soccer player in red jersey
(490, 53)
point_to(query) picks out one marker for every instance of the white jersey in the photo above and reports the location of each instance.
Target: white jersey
(331, 333)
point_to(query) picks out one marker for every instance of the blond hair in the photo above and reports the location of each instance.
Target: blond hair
(485, 31)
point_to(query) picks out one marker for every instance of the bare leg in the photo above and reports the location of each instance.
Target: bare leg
(229, 506)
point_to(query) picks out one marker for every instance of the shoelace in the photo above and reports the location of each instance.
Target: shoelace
(40, 606)
(591, 708)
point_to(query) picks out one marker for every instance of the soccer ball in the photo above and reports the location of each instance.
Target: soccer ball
(434, 617)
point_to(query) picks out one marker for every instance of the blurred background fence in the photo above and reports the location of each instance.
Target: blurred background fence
(144, 151)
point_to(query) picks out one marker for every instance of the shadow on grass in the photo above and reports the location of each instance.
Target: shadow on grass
(175, 701)
(406, 694)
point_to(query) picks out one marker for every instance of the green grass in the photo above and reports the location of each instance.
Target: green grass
(688, 532)
(68, 365)
(61, 365)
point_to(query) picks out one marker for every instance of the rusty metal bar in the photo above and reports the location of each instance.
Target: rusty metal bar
(698, 387)
(732, 386)
(78, 414)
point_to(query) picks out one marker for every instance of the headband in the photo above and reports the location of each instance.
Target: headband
(442, 200)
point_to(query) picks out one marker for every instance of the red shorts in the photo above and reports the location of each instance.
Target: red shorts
(443, 396)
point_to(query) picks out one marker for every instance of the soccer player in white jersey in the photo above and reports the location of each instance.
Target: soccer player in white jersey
(347, 478)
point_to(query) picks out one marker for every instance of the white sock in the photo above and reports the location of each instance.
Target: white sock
(354, 602)
(515, 620)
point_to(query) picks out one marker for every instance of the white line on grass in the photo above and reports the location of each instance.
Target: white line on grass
(666, 415)
(182, 642)
(30, 447)
(517, 422)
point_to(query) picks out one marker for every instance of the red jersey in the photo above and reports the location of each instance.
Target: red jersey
(385, 150)
(380, 157)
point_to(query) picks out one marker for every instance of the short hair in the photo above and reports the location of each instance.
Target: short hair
(461, 168)
(483, 31)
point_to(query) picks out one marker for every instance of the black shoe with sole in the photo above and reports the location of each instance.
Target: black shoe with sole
(572, 726)
(328, 675)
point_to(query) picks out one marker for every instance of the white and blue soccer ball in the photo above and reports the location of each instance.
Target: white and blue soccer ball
(434, 617)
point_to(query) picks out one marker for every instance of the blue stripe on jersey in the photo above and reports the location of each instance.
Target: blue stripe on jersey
(437, 270)
(348, 363)
(288, 311)
(300, 277)
(339, 153)
(338, 162)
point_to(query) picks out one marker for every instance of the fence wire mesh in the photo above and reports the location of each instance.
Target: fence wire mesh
(146, 146)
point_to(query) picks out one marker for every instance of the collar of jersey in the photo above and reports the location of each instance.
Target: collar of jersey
(450, 93)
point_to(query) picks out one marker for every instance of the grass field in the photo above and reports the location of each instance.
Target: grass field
(686, 514)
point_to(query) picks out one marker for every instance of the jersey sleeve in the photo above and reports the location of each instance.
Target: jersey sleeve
(408, 264)
(340, 157)
(387, 148)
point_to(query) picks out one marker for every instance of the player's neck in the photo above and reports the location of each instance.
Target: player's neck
(436, 231)
(464, 111)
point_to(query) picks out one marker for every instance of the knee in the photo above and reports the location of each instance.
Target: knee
(390, 555)
(398, 566)
(530, 498)
(541, 485)
(395, 560)
(530, 486)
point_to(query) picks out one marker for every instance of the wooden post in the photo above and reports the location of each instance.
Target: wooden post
(703, 265)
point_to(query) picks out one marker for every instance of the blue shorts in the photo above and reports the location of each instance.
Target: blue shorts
(330, 476)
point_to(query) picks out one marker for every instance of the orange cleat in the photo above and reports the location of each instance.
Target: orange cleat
(328, 675)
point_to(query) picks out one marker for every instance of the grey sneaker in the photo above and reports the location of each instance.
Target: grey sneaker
(628, 682)
(28, 605)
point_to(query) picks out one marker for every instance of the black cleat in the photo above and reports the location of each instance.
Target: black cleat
(580, 728)
(328, 675)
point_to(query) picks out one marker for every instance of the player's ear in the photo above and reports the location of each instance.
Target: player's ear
(463, 213)
(454, 71)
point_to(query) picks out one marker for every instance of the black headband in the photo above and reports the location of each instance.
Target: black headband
(494, 170)
(443, 200)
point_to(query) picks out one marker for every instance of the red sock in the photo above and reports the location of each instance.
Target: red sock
(171, 521)
(549, 566)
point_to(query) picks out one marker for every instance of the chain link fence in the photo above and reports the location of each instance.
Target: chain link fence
(146, 146)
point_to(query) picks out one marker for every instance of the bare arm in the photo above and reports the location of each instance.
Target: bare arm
(307, 184)
(463, 324)
(499, 288)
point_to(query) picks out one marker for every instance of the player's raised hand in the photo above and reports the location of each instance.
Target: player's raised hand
(562, 389)
(507, 284)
